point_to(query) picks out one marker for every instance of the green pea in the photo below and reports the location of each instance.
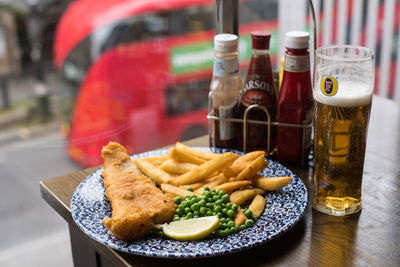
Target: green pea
(203, 210)
(189, 215)
(194, 200)
(176, 219)
(202, 202)
(235, 229)
(230, 213)
(249, 222)
(221, 193)
(242, 227)
(225, 211)
(225, 198)
(213, 191)
(231, 224)
(230, 230)
(235, 207)
(195, 206)
(196, 216)
(225, 232)
(219, 214)
(189, 189)
(177, 200)
(217, 209)
(215, 197)
(248, 213)
(223, 220)
(209, 213)
(206, 188)
(219, 202)
(229, 206)
(187, 210)
(209, 205)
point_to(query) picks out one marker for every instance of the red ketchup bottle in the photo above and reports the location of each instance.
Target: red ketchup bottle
(259, 89)
(295, 99)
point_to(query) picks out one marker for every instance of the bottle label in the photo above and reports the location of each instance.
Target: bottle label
(296, 63)
(258, 90)
(257, 96)
(226, 131)
(259, 86)
(225, 67)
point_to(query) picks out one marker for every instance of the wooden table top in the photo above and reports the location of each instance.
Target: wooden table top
(368, 238)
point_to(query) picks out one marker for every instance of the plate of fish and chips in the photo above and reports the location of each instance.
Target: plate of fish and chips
(160, 175)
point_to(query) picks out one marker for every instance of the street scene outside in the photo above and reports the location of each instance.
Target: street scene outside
(32, 142)
(38, 94)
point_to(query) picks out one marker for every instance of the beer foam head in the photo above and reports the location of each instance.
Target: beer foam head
(349, 94)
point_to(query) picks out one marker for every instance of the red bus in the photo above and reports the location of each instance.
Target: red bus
(139, 71)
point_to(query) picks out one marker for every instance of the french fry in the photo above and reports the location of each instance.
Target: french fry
(178, 155)
(173, 166)
(157, 160)
(195, 152)
(176, 191)
(203, 171)
(232, 186)
(241, 163)
(193, 186)
(240, 218)
(215, 176)
(241, 196)
(257, 205)
(212, 183)
(271, 183)
(157, 175)
(252, 169)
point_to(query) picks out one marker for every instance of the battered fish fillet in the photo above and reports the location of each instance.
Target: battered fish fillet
(137, 204)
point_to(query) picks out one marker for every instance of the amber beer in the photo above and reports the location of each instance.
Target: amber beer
(342, 92)
(340, 140)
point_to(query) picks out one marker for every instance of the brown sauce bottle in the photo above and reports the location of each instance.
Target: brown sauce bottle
(259, 89)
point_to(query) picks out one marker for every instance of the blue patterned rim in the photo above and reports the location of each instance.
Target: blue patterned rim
(285, 207)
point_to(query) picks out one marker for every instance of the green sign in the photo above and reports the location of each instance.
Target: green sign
(190, 58)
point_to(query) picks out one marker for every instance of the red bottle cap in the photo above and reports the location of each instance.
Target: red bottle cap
(260, 39)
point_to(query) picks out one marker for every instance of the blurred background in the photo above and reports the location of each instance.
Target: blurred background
(77, 74)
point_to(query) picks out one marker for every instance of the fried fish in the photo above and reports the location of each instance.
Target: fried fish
(137, 204)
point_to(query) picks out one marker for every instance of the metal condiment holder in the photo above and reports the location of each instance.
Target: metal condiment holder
(245, 121)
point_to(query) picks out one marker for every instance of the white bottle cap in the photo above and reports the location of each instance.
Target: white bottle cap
(297, 39)
(226, 42)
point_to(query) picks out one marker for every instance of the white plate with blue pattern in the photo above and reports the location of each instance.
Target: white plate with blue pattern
(285, 207)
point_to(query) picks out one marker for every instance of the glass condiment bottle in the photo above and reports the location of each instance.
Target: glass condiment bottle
(295, 99)
(224, 90)
(259, 89)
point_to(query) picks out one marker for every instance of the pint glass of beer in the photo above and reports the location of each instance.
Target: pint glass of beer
(343, 88)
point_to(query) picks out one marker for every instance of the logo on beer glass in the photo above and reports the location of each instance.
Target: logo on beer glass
(329, 85)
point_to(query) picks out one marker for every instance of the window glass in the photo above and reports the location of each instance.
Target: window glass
(183, 98)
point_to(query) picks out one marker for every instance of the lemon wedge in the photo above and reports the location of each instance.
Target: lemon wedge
(191, 229)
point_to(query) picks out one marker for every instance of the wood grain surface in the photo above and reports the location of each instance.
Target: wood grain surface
(368, 238)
